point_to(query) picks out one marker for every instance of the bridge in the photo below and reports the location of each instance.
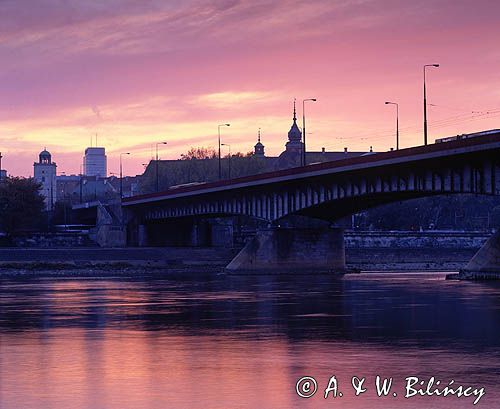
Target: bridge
(330, 190)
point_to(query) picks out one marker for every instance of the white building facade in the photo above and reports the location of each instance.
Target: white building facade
(95, 162)
(45, 172)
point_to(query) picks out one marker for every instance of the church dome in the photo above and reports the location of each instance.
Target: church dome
(45, 156)
(294, 134)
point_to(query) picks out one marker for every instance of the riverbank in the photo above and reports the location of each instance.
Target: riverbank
(447, 251)
(408, 259)
(116, 261)
(144, 261)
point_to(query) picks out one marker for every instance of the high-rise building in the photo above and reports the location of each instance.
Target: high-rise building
(45, 173)
(95, 163)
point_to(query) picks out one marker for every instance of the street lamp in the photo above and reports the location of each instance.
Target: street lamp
(397, 122)
(52, 192)
(157, 174)
(425, 103)
(121, 174)
(229, 163)
(304, 128)
(81, 185)
(48, 210)
(220, 166)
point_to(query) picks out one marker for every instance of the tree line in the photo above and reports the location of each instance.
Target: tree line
(21, 205)
(200, 164)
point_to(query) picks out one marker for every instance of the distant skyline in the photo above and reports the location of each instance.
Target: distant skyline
(140, 72)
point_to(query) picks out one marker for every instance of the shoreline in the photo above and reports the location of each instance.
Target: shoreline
(166, 273)
(120, 269)
(73, 262)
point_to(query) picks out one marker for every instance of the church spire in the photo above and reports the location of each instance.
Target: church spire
(259, 148)
(294, 135)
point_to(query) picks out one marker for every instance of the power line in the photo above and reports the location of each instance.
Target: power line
(440, 123)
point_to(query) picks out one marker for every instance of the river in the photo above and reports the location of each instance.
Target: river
(216, 341)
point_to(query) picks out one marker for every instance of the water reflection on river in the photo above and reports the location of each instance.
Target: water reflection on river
(242, 342)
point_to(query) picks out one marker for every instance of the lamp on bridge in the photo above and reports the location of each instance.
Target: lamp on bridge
(121, 174)
(425, 103)
(229, 163)
(157, 174)
(304, 128)
(397, 122)
(220, 166)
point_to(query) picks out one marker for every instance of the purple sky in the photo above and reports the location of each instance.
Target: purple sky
(139, 72)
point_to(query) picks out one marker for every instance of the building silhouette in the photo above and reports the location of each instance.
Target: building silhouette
(259, 148)
(95, 162)
(3, 173)
(45, 172)
(178, 171)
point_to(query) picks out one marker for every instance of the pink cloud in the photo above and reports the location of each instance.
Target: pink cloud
(155, 68)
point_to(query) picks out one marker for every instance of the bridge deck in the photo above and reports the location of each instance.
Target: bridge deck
(433, 151)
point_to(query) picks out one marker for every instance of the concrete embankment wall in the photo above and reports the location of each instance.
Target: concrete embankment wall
(408, 259)
(157, 257)
(381, 251)
(54, 240)
(405, 239)
(411, 251)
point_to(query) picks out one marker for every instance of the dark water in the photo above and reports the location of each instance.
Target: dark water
(228, 342)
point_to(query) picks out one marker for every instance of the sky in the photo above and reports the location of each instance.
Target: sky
(140, 72)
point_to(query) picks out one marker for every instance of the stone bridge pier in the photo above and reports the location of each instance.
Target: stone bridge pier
(286, 249)
(303, 245)
(485, 265)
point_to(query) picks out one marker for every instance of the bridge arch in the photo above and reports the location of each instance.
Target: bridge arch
(335, 189)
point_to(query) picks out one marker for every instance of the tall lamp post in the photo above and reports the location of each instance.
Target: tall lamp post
(304, 128)
(229, 162)
(52, 193)
(121, 174)
(81, 183)
(425, 103)
(48, 210)
(220, 165)
(157, 173)
(397, 122)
